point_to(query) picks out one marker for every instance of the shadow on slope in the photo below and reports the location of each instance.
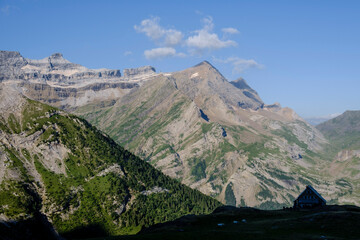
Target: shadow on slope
(88, 231)
(330, 222)
(29, 229)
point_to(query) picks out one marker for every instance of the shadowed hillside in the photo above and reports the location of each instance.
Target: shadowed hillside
(331, 222)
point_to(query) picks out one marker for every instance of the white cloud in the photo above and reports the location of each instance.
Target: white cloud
(230, 30)
(240, 64)
(163, 52)
(127, 53)
(158, 53)
(165, 37)
(173, 37)
(206, 39)
(151, 28)
(208, 23)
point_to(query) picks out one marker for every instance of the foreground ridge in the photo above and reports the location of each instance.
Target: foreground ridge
(58, 168)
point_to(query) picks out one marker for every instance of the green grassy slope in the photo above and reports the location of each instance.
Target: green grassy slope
(88, 198)
(342, 131)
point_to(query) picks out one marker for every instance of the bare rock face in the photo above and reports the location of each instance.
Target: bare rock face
(204, 81)
(131, 72)
(11, 64)
(53, 64)
(54, 69)
(60, 82)
(96, 74)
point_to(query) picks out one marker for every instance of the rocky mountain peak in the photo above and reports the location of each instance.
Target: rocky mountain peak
(56, 56)
(205, 65)
(11, 58)
(131, 72)
(10, 64)
(9, 54)
(58, 60)
(205, 84)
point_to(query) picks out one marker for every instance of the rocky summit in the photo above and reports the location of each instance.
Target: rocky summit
(195, 126)
(51, 69)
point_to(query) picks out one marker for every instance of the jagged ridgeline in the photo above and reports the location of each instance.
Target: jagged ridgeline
(57, 165)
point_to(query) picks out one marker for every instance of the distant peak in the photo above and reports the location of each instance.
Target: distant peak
(204, 63)
(56, 55)
(130, 72)
(9, 54)
(208, 66)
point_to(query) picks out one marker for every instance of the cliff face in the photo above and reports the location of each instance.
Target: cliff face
(131, 72)
(11, 64)
(57, 81)
(54, 68)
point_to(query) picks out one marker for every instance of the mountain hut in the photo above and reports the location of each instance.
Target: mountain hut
(309, 198)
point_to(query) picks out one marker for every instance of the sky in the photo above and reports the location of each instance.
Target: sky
(303, 54)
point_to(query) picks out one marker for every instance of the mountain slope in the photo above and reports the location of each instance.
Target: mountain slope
(343, 133)
(59, 166)
(344, 130)
(215, 136)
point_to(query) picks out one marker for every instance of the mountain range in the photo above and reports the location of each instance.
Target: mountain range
(195, 126)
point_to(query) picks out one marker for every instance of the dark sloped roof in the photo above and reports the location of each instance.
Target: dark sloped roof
(314, 191)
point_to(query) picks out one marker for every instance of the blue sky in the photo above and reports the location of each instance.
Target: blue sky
(303, 54)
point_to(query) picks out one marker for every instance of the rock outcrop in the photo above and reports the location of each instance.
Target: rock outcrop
(53, 69)
(131, 72)
(67, 85)
(204, 81)
(11, 64)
